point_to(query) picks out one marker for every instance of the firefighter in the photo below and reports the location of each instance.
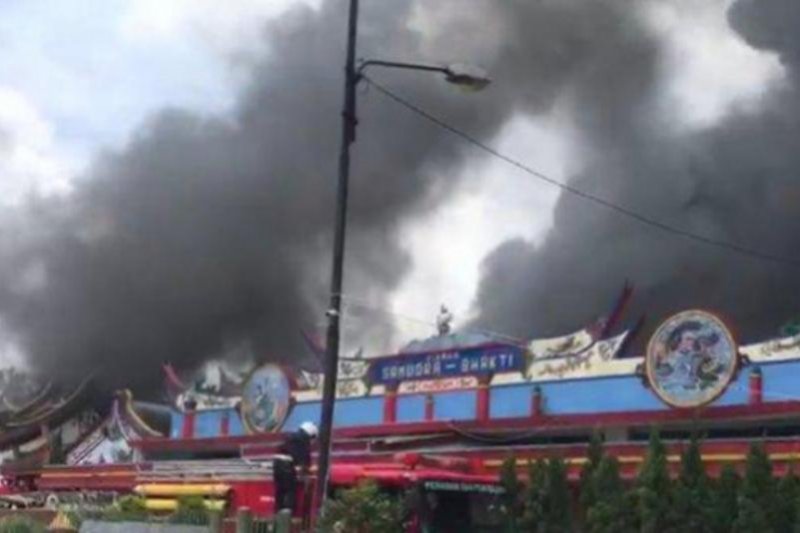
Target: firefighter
(294, 453)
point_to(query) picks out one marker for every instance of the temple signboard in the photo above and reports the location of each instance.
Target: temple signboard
(479, 360)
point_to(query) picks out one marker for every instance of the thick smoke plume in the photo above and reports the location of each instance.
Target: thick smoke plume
(207, 232)
(736, 181)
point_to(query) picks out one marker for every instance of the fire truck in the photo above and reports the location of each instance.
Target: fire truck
(445, 494)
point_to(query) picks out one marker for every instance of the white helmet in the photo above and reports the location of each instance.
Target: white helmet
(309, 428)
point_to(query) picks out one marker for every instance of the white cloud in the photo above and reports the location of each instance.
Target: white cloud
(94, 69)
(30, 162)
(208, 22)
(711, 69)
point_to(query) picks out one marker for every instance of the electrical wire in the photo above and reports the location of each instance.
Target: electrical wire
(626, 211)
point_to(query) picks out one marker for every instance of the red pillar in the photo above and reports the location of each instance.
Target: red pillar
(390, 404)
(225, 424)
(482, 399)
(756, 386)
(537, 404)
(187, 428)
(428, 407)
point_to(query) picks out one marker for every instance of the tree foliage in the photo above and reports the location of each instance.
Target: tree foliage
(692, 497)
(750, 518)
(191, 510)
(547, 502)
(594, 455)
(758, 493)
(692, 502)
(533, 516)
(362, 509)
(557, 503)
(655, 488)
(127, 509)
(611, 510)
(786, 504)
(20, 524)
(724, 500)
(512, 496)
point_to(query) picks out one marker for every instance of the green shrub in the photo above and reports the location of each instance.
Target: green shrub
(512, 497)
(363, 509)
(191, 511)
(127, 509)
(20, 524)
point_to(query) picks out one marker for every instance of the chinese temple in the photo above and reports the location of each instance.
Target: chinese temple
(466, 395)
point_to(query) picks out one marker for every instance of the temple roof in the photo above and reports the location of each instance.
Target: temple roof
(450, 341)
(52, 407)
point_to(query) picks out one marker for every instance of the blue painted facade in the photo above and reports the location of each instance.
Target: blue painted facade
(781, 381)
(459, 405)
(411, 408)
(208, 423)
(349, 412)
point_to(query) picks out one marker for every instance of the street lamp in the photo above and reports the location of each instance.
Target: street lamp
(461, 75)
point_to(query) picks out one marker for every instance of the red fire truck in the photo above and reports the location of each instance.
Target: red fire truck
(443, 494)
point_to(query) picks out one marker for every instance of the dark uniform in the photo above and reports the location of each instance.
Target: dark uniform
(294, 452)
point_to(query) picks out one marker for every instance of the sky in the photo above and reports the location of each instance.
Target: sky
(77, 77)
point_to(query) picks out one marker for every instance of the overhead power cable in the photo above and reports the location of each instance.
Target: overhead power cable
(626, 211)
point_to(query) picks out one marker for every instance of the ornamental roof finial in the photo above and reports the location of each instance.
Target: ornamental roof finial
(444, 321)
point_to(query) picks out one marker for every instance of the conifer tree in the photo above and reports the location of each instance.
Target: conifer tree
(512, 496)
(724, 506)
(654, 488)
(759, 488)
(786, 501)
(594, 455)
(796, 528)
(610, 512)
(533, 518)
(631, 517)
(557, 503)
(751, 518)
(692, 498)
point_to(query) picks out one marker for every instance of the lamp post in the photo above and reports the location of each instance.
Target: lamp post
(458, 74)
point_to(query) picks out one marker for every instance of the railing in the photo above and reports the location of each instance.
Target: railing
(217, 470)
(245, 523)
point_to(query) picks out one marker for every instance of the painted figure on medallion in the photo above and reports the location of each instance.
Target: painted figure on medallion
(265, 398)
(691, 358)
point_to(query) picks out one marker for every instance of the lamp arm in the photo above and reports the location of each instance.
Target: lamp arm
(362, 66)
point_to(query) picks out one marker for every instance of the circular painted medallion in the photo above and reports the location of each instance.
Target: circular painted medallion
(691, 358)
(265, 399)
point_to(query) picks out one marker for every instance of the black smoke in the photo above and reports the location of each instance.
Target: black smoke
(207, 232)
(736, 181)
